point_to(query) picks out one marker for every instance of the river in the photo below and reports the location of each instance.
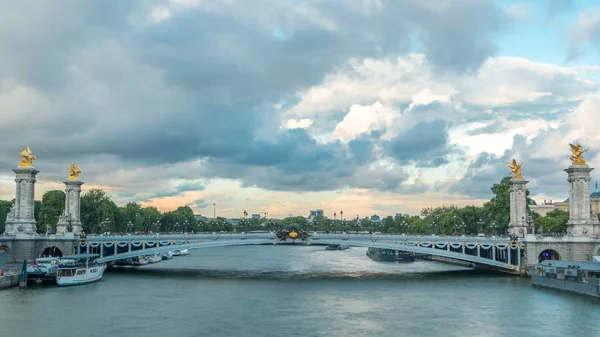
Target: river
(296, 291)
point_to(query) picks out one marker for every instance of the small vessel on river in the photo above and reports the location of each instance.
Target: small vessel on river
(79, 269)
(337, 247)
(181, 252)
(167, 255)
(390, 255)
(154, 258)
(43, 270)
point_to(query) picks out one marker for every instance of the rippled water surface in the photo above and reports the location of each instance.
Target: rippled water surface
(297, 291)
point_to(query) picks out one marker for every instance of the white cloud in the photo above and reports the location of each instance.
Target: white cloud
(159, 14)
(363, 120)
(298, 124)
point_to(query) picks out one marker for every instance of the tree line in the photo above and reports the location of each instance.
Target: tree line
(99, 214)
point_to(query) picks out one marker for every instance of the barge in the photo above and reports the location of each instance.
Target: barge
(573, 276)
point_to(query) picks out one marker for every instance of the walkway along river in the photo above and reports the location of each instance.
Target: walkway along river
(297, 291)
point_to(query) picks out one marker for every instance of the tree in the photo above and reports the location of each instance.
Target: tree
(5, 207)
(53, 205)
(97, 209)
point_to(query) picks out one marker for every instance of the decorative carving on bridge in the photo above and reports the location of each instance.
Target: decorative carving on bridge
(27, 156)
(515, 169)
(577, 154)
(293, 234)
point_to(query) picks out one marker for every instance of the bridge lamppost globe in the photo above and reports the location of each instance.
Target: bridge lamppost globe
(186, 225)
(493, 227)
(129, 227)
(480, 225)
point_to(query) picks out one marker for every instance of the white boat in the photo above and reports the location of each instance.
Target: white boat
(43, 270)
(79, 269)
(140, 261)
(184, 252)
(167, 255)
(154, 258)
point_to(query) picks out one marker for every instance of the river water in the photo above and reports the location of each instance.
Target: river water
(296, 291)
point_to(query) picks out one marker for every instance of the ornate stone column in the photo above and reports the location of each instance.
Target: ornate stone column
(70, 220)
(21, 218)
(518, 206)
(581, 220)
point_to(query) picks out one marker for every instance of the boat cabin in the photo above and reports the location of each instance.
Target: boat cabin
(582, 272)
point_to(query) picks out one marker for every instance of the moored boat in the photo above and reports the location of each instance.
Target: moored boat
(167, 255)
(154, 258)
(79, 269)
(336, 247)
(43, 270)
(184, 252)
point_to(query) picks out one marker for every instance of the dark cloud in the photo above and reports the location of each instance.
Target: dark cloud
(99, 85)
(425, 145)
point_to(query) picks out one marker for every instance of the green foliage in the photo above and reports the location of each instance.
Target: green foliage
(553, 222)
(52, 207)
(4, 209)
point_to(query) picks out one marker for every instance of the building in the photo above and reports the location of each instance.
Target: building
(375, 218)
(315, 213)
(256, 216)
(548, 206)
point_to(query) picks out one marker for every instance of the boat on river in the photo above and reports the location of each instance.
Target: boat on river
(154, 258)
(79, 269)
(167, 255)
(181, 252)
(43, 270)
(337, 247)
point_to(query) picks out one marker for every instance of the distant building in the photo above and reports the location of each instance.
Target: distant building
(256, 216)
(315, 213)
(548, 206)
(375, 218)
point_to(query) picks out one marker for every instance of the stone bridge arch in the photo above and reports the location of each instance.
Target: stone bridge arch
(63, 246)
(5, 254)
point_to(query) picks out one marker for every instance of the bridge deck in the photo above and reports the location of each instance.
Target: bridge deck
(498, 253)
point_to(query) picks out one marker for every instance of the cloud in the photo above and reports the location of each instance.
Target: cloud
(585, 30)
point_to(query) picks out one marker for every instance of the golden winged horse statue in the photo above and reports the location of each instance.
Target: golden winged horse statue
(515, 169)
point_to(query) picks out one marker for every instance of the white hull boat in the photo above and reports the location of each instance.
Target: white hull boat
(79, 269)
(154, 258)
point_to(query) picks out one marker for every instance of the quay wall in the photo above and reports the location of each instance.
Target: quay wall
(9, 281)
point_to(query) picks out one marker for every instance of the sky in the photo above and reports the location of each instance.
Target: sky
(282, 106)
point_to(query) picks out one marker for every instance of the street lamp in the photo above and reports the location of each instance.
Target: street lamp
(493, 228)
(529, 221)
(129, 227)
(480, 224)
(214, 210)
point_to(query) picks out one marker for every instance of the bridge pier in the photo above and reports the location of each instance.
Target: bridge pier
(30, 247)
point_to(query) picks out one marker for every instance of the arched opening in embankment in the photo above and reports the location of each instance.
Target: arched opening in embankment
(3, 255)
(548, 254)
(52, 251)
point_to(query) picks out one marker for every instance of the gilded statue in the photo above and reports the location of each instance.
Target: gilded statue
(577, 156)
(515, 169)
(27, 156)
(74, 172)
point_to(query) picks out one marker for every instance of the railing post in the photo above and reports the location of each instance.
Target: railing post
(87, 248)
(478, 250)
(463, 247)
(509, 248)
(519, 256)
(101, 249)
(494, 252)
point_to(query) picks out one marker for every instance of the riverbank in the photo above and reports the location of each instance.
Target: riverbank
(9, 280)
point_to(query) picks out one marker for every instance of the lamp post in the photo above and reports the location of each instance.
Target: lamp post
(529, 221)
(480, 224)
(69, 219)
(186, 225)
(129, 226)
(214, 210)
(493, 228)
(341, 215)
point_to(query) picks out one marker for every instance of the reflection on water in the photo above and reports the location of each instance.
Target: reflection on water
(297, 291)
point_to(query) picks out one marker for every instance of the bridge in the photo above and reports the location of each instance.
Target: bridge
(480, 252)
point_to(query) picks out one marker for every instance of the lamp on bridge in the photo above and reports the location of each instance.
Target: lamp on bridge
(529, 221)
(69, 219)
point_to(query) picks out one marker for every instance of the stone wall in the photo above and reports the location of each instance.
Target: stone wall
(20, 249)
(568, 248)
